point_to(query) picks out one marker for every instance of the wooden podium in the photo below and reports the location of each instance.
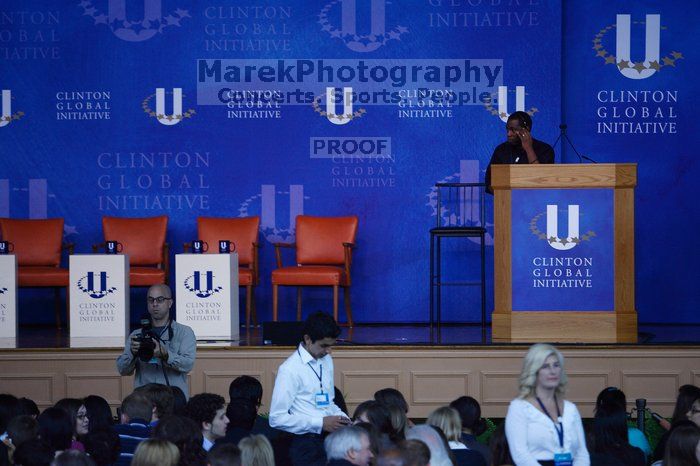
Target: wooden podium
(573, 287)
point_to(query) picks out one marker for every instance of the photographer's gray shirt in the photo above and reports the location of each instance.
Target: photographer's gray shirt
(182, 349)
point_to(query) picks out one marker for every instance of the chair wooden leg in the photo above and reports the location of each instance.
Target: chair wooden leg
(253, 308)
(335, 302)
(348, 308)
(248, 298)
(68, 307)
(298, 303)
(57, 306)
(274, 303)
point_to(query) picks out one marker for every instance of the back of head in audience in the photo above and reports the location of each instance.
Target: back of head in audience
(470, 414)
(399, 421)
(156, 452)
(241, 412)
(161, 398)
(21, 429)
(498, 445)
(683, 446)
(28, 407)
(179, 400)
(99, 413)
(256, 450)
(224, 454)
(55, 428)
(611, 396)
(9, 408)
(246, 387)
(439, 455)
(416, 452)
(447, 419)
(391, 457)
(37, 452)
(186, 435)
(103, 446)
(687, 395)
(391, 397)
(350, 443)
(378, 415)
(72, 458)
(208, 410)
(136, 407)
(610, 428)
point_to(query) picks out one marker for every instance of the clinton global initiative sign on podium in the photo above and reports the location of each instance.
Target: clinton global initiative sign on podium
(563, 256)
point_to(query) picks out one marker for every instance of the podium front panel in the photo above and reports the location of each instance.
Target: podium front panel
(563, 250)
(206, 294)
(99, 298)
(8, 296)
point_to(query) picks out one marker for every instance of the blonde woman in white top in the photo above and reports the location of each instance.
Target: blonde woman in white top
(543, 428)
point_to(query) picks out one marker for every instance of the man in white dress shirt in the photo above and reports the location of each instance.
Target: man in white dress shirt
(303, 397)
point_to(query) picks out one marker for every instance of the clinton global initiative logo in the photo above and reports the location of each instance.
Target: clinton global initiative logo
(7, 116)
(335, 98)
(202, 284)
(266, 205)
(134, 29)
(502, 102)
(94, 284)
(552, 236)
(168, 119)
(343, 13)
(3, 290)
(623, 40)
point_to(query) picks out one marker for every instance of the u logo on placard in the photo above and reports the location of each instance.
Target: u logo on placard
(554, 240)
(95, 285)
(202, 284)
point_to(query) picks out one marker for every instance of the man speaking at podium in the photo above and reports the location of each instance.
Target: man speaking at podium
(520, 146)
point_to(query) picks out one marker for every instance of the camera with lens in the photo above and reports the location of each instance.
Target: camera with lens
(147, 339)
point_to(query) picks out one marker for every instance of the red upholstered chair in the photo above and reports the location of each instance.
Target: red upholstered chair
(323, 258)
(38, 245)
(143, 239)
(243, 232)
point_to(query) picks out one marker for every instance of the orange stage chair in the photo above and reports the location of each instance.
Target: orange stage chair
(243, 232)
(323, 256)
(38, 249)
(143, 239)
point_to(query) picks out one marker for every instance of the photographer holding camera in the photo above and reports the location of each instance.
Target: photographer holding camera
(162, 351)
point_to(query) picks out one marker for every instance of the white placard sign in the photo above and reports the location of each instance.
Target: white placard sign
(206, 293)
(8, 296)
(99, 299)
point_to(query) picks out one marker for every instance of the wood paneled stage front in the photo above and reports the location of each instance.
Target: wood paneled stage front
(429, 375)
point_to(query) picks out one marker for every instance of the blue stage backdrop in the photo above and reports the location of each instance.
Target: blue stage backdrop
(336, 107)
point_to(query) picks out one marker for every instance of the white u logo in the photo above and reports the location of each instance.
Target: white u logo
(6, 108)
(652, 45)
(503, 101)
(173, 119)
(346, 116)
(553, 228)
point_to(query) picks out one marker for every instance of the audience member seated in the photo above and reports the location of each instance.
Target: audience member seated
(472, 424)
(439, 455)
(392, 397)
(683, 446)
(136, 411)
(179, 400)
(20, 429)
(499, 449)
(9, 408)
(156, 452)
(103, 446)
(36, 452)
(256, 450)
(187, 437)
(615, 396)
(416, 452)
(208, 410)
(379, 416)
(447, 419)
(347, 446)
(79, 420)
(225, 454)
(73, 457)
(55, 428)
(242, 415)
(28, 407)
(610, 446)
(99, 413)
(161, 398)
(687, 409)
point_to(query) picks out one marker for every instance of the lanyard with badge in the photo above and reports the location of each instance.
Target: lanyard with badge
(562, 458)
(321, 399)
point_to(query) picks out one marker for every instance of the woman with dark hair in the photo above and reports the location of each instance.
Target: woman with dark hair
(187, 437)
(472, 424)
(379, 416)
(687, 409)
(372, 434)
(683, 447)
(612, 396)
(55, 428)
(498, 448)
(79, 419)
(99, 413)
(610, 445)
